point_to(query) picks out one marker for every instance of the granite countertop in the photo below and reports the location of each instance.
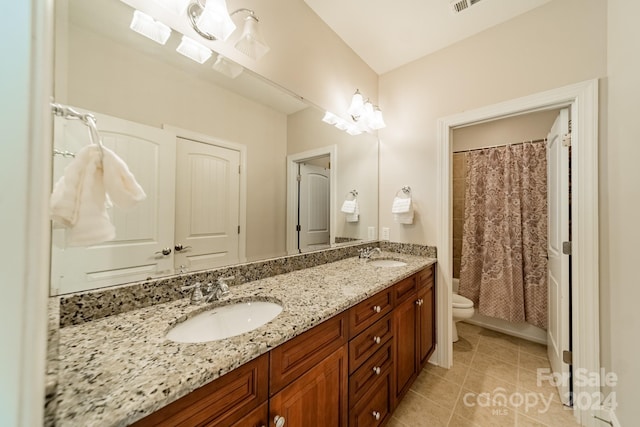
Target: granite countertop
(116, 370)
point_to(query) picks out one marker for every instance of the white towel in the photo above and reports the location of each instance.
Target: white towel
(355, 216)
(79, 200)
(401, 205)
(405, 217)
(349, 206)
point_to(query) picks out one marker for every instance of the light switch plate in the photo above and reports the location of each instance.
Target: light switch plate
(385, 233)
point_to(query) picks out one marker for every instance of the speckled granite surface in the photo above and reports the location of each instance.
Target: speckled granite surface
(115, 370)
(86, 306)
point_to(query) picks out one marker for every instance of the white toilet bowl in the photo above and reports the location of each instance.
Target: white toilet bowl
(462, 309)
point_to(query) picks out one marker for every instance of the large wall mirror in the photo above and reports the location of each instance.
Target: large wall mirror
(212, 153)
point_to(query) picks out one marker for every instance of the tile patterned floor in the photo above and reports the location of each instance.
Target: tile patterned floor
(487, 366)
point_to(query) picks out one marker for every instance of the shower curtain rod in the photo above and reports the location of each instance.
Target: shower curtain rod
(502, 145)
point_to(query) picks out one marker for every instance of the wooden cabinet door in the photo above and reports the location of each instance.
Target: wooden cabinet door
(405, 362)
(256, 418)
(318, 398)
(426, 330)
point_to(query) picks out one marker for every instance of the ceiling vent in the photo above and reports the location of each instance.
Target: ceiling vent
(458, 6)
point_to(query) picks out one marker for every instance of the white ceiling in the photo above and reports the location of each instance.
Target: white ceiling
(389, 33)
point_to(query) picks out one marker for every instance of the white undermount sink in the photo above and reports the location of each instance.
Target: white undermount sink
(224, 322)
(386, 262)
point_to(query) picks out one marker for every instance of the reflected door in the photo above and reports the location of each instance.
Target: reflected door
(144, 232)
(313, 218)
(207, 206)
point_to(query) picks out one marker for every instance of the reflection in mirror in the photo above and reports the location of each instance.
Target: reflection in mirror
(210, 151)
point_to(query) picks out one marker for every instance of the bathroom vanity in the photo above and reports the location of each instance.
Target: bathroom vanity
(349, 342)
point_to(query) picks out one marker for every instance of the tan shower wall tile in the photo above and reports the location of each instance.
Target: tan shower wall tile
(458, 228)
(458, 188)
(457, 247)
(459, 166)
(457, 263)
(458, 210)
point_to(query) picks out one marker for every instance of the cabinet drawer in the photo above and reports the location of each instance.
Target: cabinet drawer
(296, 356)
(374, 368)
(369, 341)
(374, 409)
(405, 289)
(257, 418)
(370, 311)
(221, 402)
(425, 277)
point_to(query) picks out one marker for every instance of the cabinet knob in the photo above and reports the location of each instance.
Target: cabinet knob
(278, 421)
(376, 369)
(377, 308)
(376, 415)
(376, 340)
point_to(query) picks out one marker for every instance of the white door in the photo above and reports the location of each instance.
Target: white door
(207, 206)
(143, 232)
(559, 263)
(314, 207)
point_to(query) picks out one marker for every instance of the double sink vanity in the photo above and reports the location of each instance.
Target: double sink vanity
(333, 344)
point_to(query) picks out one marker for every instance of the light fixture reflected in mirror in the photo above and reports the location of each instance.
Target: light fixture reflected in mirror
(227, 67)
(194, 50)
(145, 25)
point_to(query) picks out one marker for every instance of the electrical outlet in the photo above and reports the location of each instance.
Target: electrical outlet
(385, 233)
(371, 233)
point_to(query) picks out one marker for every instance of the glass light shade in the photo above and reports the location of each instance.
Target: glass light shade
(354, 130)
(227, 67)
(251, 42)
(194, 50)
(150, 28)
(330, 118)
(215, 20)
(378, 121)
(357, 103)
(175, 6)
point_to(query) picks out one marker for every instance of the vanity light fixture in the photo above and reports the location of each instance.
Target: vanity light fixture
(227, 67)
(194, 50)
(212, 21)
(148, 27)
(365, 117)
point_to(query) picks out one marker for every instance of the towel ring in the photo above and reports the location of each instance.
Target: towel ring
(406, 190)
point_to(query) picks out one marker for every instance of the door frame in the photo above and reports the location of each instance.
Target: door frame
(242, 213)
(292, 192)
(582, 99)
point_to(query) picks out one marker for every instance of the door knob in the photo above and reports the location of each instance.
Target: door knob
(278, 421)
(165, 251)
(179, 247)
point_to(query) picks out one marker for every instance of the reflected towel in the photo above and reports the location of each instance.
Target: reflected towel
(79, 200)
(355, 216)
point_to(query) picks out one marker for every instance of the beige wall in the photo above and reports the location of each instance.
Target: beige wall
(619, 204)
(110, 78)
(557, 44)
(356, 166)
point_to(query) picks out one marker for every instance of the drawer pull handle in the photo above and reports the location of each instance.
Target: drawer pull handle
(278, 421)
(376, 369)
(377, 308)
(376, 415)
(376, 340)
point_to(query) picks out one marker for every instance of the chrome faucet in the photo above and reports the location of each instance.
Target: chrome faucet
(211, 292)
(368, 252)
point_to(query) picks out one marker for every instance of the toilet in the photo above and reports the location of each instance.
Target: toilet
(462, 309)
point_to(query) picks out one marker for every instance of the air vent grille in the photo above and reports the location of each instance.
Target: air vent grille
(458, 6)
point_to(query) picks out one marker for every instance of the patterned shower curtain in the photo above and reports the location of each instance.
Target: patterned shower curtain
(504, 247)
